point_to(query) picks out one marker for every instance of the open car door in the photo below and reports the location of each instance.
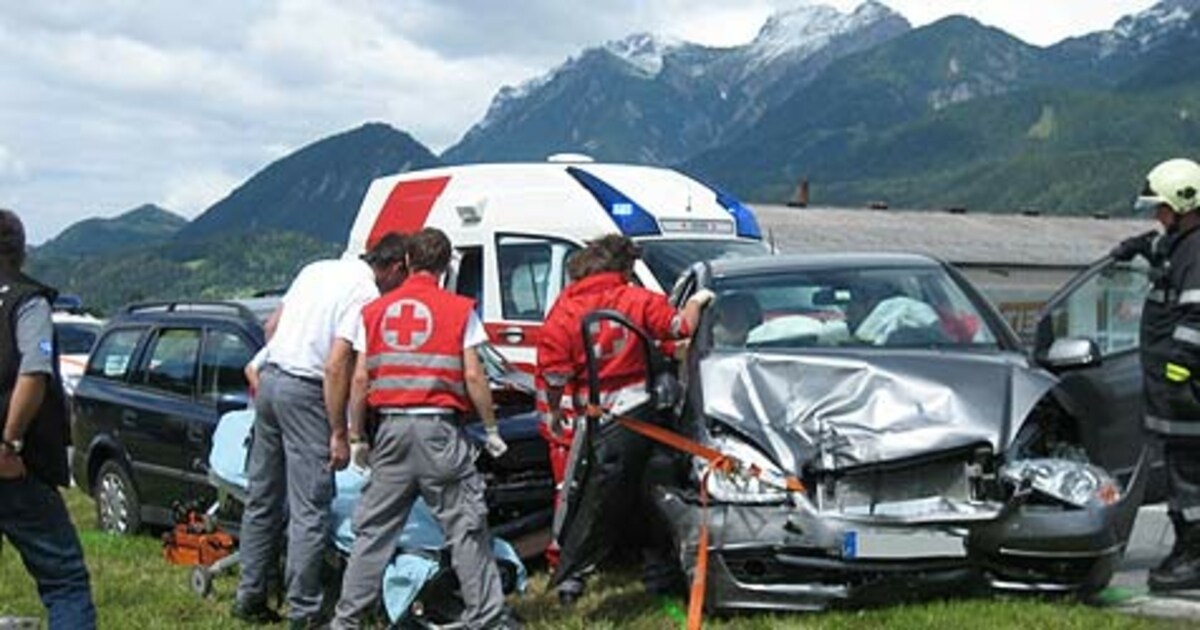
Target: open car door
(603, 485)
(1088, 335)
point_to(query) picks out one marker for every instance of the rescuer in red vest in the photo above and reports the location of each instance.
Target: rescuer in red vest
(419, 375)
(601, 274)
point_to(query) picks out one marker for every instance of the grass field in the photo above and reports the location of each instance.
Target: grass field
(135, 588)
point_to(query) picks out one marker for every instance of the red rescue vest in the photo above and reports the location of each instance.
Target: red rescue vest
(415, 344)
(621, 363)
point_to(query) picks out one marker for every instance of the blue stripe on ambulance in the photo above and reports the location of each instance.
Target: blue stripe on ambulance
(631, 218)
(743, 217)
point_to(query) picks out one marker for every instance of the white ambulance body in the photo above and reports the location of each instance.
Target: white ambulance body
(513, 226)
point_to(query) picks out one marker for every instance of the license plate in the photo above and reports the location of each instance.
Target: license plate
(899, 545)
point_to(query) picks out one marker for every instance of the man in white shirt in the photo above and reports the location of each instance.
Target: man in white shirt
(297, 445)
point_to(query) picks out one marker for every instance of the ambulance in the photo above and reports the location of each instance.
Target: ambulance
(513, 226)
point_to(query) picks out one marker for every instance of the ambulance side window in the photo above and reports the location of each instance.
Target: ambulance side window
(469, 282)
(531, 275)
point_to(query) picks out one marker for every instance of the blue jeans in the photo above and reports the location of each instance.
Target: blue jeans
(34, 519)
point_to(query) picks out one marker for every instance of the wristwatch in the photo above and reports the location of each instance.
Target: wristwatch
(13, 446)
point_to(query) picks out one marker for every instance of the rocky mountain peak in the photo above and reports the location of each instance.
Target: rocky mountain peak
(805, 29)
(644, 51)
(1142, 31)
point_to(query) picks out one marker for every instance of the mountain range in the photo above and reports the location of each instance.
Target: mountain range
(860, 104)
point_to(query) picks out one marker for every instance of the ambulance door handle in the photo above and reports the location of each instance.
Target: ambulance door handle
(513, 334)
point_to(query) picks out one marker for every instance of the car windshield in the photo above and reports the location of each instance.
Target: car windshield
(892, 307)
(668, 258)
(75, 338)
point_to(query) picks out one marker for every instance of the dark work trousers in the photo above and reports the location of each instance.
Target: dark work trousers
(34, 519)
(429, 455)
(289, 460)
(1182, 458)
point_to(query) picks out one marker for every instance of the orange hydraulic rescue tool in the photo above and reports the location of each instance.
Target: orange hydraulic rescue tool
(196, 540)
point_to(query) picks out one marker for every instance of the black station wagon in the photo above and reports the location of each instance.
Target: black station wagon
(157, 381)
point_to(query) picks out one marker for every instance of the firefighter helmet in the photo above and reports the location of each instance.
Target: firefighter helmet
(1175, 183)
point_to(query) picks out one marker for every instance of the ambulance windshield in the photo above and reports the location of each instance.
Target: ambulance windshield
(669, 258)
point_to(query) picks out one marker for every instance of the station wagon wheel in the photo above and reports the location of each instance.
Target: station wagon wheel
(117, 504)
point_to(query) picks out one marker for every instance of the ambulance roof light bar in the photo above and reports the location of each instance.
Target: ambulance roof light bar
(570, 158)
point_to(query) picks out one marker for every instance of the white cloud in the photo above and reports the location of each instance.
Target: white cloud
(191, 192)
(11, 167)
(113, 103)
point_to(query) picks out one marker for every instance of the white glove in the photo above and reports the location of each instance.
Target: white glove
(494, 444)
(358, 455)
(702, 297)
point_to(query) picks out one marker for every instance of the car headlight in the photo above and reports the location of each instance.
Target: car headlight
(1076, 483)
(740, 488)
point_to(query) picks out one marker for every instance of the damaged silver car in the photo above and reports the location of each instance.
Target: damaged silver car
(933, 454)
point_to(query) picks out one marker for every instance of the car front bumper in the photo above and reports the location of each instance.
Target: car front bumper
(782, 557)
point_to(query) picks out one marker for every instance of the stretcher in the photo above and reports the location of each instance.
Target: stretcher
(417, 582)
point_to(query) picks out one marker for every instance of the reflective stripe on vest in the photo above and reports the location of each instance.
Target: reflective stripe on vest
(1177, 428)
(415, 359)
(1158, 296)
(1191, 296)
(419, 384)
(1187, 335)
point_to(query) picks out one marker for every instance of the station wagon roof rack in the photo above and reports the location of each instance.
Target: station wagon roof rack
(174, 306)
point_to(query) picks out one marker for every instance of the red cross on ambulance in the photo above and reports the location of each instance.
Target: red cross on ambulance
(407, 324)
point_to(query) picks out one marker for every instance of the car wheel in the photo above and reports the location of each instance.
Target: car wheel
(117, 504)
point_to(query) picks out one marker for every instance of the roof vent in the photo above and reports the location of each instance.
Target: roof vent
(1030, 212)
(570, 158)
(1100, 215)
(877, 205)
(957, 209)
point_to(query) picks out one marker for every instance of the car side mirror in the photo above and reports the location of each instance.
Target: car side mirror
(232, 402)
(1071, 353)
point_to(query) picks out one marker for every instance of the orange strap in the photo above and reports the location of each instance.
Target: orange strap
(716, 461)
(695, 618)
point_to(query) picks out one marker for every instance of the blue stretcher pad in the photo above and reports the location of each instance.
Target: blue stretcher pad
(419, 545)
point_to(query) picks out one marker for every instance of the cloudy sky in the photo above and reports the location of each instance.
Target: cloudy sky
(108, 104)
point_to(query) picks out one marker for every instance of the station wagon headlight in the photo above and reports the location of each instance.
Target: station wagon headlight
(1076, 483)
(740, 488)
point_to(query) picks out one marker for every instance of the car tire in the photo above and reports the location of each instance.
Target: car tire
(118, 508)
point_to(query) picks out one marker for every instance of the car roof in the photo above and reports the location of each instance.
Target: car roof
(262, 305)
(757, 265)
(59, 317)
(186, 314)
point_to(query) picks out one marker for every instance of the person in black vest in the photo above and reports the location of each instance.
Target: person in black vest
(33, 453)
(1170, 344)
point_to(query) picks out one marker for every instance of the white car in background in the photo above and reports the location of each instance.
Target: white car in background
(75, 333)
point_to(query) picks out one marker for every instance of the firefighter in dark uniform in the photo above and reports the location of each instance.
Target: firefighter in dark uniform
(419, 374)
(33, 453)
(1170, 343)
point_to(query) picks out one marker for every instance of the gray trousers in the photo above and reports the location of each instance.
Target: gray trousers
(288, 460)
(433, 457)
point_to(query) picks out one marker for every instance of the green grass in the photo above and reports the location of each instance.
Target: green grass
(135, 588)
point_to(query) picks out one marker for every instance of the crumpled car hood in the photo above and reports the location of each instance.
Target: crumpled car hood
(840, 411)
